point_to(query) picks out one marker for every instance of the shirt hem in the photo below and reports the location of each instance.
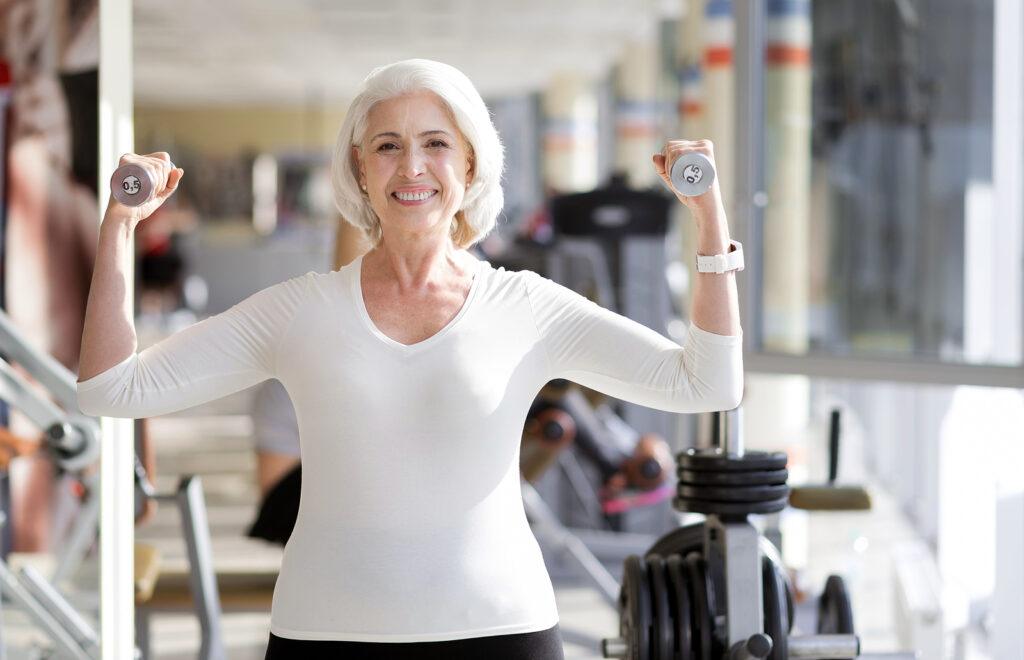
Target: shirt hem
(513, 629)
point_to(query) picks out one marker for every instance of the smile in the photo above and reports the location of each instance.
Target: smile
(414, 197)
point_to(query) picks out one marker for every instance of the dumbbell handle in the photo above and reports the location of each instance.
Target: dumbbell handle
(836, 647)
(758, 646)
(614, 647)
(133, 185)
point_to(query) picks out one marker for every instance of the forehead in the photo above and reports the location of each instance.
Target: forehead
(420, 110)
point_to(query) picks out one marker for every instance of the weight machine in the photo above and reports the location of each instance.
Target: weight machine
(73, 442)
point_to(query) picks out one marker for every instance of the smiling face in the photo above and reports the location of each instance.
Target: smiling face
(414, 163)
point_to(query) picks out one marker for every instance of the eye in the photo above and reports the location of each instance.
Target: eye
(440, 143)
(386, 146)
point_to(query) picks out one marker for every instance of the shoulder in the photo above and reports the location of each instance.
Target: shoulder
(284, 295)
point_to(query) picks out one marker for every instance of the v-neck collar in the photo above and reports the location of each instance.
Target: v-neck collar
(357, 294)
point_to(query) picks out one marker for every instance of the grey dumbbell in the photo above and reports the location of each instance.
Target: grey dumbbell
(692, 174)
(133, 185)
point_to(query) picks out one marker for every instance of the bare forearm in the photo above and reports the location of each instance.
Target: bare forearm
(715, 305)
(108, 336)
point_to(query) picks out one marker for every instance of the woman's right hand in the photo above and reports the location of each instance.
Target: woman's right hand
(159, 165)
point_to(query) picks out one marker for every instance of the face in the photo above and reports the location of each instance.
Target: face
(414, 163)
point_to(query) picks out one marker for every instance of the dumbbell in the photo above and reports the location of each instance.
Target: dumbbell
(692, 174)
(133, 185)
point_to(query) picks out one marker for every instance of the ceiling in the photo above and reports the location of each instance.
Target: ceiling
(198, 52)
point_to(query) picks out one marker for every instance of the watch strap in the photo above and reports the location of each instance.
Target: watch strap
(722, 263)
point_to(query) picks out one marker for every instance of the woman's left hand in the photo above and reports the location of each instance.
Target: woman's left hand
(706, 205)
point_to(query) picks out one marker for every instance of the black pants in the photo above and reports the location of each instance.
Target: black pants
(541, 645)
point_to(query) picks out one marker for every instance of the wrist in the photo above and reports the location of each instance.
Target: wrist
(118, 222)
(712, 239)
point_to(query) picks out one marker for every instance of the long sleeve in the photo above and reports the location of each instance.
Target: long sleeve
(215, 357)
(611, 353)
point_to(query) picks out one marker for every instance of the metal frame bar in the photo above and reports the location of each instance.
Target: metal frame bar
(888, 370)
(117, 487)
(750, 198)
(202, 577)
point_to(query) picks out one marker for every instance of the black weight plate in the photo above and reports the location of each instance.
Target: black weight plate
(769, 550)
(705, 461)
(681, 541)
(634, 609)
(734, 493)
(835, 615)
(681, 610)
(729, 508)
(703, 624)
(776, 624)
(750, 478)
(661, 641)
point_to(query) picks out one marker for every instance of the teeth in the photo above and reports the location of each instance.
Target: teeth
(414, 197)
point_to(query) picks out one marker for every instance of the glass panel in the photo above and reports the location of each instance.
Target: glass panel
(879, 139)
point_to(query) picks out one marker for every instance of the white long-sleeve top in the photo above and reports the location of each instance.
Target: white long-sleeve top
(411, 524)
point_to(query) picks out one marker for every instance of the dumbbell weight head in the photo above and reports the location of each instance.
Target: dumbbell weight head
(692, 174)
(133, 185)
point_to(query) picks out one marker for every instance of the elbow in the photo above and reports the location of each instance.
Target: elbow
(725, 395)
(93, 404)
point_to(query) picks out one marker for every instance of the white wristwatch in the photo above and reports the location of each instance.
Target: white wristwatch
(722, 263)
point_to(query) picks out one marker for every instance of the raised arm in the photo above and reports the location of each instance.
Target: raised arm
(614, 354)
(618, 356)
(210, 359)
(715, 302)
(108, 336)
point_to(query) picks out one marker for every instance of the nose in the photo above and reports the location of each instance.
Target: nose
(411, 164)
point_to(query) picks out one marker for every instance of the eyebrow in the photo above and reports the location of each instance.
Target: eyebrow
(423, 134)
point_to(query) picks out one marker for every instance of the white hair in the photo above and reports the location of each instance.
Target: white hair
(484, 198)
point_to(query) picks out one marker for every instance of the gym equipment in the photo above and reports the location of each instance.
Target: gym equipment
(609, 245)
(835, 614)
(549, 429)
(133, 185)
(831, 497)
(728, 595)
(72, 440)
(692, 174)
(202, 580)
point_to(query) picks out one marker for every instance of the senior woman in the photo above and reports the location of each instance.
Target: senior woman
(411, 371)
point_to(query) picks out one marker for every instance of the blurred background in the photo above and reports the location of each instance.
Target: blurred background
(871, 155)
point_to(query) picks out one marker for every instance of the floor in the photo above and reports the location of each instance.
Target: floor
(218, 448)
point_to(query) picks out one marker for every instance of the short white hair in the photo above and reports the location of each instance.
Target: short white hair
(484, 198)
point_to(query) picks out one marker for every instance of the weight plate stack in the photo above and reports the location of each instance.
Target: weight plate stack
(835, 614)
(702, 599)
(635, 609)
(712, 482)
(679, 606)
(661, 642)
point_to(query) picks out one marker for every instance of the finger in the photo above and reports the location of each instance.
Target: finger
(168, 189)
(659, 167)
(172, 181)
(659, 164)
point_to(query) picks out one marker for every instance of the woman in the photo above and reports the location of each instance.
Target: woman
(411, 371)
